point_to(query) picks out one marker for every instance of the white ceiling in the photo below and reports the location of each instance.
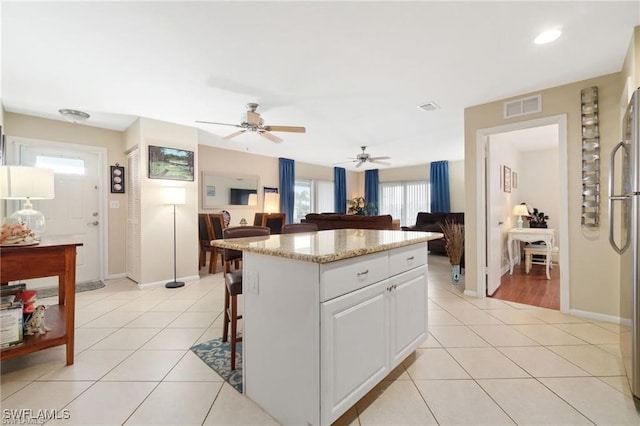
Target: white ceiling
(352, 73)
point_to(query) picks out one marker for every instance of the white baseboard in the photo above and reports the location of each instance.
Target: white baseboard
(117, 276)
(471, 293)
(156, 284)
(595, 316)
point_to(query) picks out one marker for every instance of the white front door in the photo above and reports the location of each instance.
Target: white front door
(75, 210)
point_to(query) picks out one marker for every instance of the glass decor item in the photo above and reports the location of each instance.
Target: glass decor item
(590, 216)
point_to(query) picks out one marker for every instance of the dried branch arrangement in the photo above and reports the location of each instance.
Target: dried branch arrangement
(454, 237)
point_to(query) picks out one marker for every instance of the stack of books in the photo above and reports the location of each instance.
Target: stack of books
(11, 315)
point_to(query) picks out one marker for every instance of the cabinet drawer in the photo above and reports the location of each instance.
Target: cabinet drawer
(405, 258)
(344, 276)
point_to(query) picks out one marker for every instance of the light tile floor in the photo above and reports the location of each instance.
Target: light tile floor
(486, 362)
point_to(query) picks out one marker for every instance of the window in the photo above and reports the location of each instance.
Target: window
(61, 165)
(312, 196)
(403, 200)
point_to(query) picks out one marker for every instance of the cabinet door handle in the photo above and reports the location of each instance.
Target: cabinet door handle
(365, 272)
(410, 258)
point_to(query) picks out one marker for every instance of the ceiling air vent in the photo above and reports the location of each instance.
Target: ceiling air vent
(429, 106)
(523, 106)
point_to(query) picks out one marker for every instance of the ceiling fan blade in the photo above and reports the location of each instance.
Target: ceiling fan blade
(233, 135)
(344, 162)
(359, 163)
(384, 163)
(379, 158)
(271, 137)
(294, 129)
(221, 124)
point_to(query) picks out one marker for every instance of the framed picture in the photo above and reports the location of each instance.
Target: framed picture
(170, 163)
(514, 180)
(506, 179)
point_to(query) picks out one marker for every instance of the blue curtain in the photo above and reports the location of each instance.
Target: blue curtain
(371, 189)
(340, 190)
(440, 202)
(287, 187)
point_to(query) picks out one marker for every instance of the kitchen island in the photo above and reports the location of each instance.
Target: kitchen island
(327, 315)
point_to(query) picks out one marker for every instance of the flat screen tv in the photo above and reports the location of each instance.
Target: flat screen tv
(240, 197)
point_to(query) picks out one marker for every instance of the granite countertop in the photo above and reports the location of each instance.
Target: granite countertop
(327, 246)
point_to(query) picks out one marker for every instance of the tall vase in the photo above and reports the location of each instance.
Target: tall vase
(455, 274)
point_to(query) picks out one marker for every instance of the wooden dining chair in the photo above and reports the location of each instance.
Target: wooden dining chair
(233, 284)
(274, 221)
(215, 228)
(205, 241)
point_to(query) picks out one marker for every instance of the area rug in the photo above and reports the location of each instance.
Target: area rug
(53, 291)
(217, 355)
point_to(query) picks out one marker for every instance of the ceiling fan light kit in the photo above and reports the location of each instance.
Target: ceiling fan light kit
(252, 122)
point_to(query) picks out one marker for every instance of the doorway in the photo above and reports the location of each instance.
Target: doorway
(496, 216)
(78, 208)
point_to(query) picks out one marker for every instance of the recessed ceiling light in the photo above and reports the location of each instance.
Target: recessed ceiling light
(73, 115)
(548, 36)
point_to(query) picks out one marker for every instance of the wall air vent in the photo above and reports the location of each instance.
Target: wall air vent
(429, 106)
(523, 106)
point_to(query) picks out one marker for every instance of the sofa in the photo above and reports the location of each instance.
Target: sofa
(348, 221)
(430, 222)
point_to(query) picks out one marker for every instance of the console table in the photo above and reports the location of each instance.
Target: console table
(54, 256)
(530, 235)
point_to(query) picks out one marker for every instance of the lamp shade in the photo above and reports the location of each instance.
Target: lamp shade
(24, 182)
(520, 210)
(175, 195)
(253, 200)
(272, 202)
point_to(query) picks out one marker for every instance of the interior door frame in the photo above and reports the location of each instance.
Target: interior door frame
(16, 143)
(482, 136)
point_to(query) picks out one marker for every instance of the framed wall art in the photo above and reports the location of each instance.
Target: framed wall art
(117, 179)
(171, 163)
(514, 180)
(506, 179)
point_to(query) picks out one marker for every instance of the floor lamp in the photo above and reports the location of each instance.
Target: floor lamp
(175, 196)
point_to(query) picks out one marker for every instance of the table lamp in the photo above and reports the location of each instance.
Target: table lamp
(175, 196)
(520, 210)
(253, 200)
(271, 202)
(27, 183)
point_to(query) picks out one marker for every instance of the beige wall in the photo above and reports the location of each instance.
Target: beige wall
(593, 265)
(27, 126)
(156, 217)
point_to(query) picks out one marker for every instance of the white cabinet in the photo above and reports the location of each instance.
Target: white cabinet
(407, 313)
(366, 333)
(354, 345)
(328, 333)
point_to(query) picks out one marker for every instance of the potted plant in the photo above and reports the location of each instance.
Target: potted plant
(359, 205)
(454, 238)
(537, 219)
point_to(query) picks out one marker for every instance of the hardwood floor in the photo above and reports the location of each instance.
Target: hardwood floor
(531, 289)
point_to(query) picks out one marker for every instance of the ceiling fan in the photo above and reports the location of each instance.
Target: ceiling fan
(364, 157)
(252, 122)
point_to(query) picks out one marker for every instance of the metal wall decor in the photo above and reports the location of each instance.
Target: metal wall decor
(590, 217)
(117, 179)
